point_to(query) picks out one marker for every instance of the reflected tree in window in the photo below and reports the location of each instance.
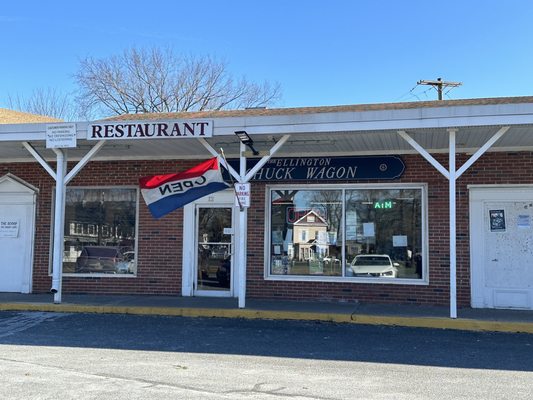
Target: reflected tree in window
(97, 219)
(320, 231)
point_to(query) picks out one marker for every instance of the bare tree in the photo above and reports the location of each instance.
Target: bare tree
(155, 80)
(49, 102)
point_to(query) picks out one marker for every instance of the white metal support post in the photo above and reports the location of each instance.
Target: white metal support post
(59, 216)
(452, 175)
(453, 239)
(62, 179)
(243, 233)
(243, 177)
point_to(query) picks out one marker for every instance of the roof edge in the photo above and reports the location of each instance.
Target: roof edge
(256, 112)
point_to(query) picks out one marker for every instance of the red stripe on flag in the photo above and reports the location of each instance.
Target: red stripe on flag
(150, 182)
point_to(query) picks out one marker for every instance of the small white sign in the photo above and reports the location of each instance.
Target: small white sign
(228, 231)
(369, 229)
(9, 228)
(399, 241)
(60, 136)
(242, 194)
(524, 221)
(351, 218)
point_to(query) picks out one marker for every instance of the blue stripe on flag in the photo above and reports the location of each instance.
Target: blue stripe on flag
(170, 203)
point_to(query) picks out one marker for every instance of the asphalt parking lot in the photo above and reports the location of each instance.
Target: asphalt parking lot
(106, 356)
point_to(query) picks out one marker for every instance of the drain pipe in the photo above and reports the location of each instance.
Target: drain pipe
(59, 215)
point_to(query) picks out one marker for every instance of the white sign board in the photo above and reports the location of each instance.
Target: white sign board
(369, 229)
(9, 228)
(60, 136)
(136, 130)
(524, 221)
(399, 240)
(242, 194)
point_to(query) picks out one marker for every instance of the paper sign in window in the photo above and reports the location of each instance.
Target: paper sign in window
(524, 221)
(399, 241)
(368, 229)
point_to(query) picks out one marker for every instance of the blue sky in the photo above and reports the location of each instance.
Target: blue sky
(321, 52)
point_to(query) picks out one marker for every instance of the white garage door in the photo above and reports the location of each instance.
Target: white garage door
(17, 211)
(501, 223)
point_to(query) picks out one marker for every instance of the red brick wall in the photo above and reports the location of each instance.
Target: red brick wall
(160, 241)
(417, 171)
(492, 168)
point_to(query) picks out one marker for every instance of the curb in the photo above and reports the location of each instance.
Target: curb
(463, 324)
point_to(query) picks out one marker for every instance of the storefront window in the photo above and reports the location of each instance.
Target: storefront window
(357, 233)
(100, 226)
(306, 232)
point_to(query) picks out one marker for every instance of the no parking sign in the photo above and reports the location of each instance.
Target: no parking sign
(242, 194)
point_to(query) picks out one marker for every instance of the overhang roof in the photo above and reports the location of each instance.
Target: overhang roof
(315, 131)
(263, 112)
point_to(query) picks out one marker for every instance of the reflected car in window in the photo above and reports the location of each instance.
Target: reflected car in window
(373, 265)
(98, 259)
(127, 264)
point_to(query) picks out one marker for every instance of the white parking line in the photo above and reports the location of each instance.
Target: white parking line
(9, 325)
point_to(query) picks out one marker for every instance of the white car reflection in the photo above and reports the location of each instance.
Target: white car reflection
(127, 265)
(373, 265)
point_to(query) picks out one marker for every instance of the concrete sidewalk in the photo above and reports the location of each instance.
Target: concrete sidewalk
(359, 313)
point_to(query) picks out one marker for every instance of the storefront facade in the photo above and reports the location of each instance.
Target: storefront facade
(344, 207)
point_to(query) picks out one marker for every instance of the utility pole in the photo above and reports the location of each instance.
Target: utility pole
(439, 84)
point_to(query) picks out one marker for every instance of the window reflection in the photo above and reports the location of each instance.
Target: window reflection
(385, 222)
(327, 232)
(100, 230)
(305, 232)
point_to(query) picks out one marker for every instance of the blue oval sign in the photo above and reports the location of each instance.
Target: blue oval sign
(327, 168)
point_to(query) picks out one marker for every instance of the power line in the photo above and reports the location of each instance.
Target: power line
(439, 84)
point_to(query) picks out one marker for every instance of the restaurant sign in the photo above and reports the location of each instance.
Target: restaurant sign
(327, 168)
(150, 129)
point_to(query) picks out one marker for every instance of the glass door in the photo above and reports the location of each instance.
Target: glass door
(214, 258)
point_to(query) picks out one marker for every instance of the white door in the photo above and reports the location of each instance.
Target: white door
(17, 211)
(502, 251)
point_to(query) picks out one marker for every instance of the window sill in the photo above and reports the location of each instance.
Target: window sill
(113, 276)
(337, 279)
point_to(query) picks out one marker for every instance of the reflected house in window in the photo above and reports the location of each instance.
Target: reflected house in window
(310, 236)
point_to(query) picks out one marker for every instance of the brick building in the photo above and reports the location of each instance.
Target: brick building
(437, 196)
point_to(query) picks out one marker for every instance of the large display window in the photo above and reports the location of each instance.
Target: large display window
(368, 233)
(100, 231)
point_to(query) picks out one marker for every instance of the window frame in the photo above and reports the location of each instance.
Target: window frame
(136, 246)
(423, 187)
